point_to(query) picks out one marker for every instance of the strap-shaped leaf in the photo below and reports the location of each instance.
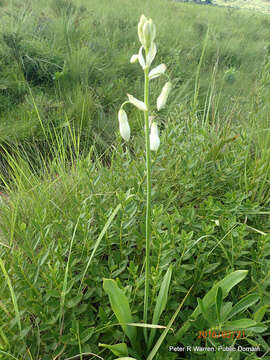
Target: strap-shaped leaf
(218, 302)
(161, 302)
(120, 306)
(259, 314)
(240, 324)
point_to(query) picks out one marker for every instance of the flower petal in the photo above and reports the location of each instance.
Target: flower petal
(151, 54)
(141, 58)
(139, 104)
(157, 71)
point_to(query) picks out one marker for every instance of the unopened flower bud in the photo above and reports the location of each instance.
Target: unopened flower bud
(146, 31)
(124, 125)
(134, 58)
(154, 138)
(139, 104)
(162, 99)
(140, 28)
(147, 34)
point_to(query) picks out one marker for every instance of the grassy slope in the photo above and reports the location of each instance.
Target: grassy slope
(203, 187)
(253, 5)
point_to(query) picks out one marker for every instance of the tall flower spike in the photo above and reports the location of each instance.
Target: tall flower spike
(154, 138)
(123, 125)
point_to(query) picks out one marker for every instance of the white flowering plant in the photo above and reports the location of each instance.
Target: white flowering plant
(118, 300)
(141, 344)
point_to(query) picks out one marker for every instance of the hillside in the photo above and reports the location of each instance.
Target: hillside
(135, 181)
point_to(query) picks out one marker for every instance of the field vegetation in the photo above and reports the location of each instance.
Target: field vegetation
(73, 193)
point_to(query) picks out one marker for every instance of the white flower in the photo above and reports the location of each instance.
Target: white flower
(124, 125)
(150, 120)
(141, 58)
(146, 31)
(162, 99)
(134, 58)
(139, 104)
(140, 28)
(154, 138)
(157, 71)
(151, 54)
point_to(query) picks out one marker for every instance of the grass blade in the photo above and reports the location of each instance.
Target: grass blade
(165, 332)
(13, 296)
(161, 303)
(105, 228)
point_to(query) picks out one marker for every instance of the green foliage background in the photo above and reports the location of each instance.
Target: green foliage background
(64, 71)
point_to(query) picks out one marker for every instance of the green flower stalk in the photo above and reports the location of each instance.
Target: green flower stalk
(145, 57)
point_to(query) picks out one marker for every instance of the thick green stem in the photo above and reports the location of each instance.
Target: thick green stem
(148, 205)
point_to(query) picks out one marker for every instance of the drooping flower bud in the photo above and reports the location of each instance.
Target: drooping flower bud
(124, 125)
(162, 99)
(154, 137)
(134, 58)
(139, 104)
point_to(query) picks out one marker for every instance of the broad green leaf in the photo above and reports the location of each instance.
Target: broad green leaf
(243, 305)
(120, 306)
(226, 285)
(259, 314)
(241, 324)
(202, 308)
(252, 342)
(117, 349)
(161, 303)
(74, 301)
(218, 302)
(259, 328)
(125, 358)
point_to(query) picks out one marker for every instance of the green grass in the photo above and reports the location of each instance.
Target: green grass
(65, 172)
